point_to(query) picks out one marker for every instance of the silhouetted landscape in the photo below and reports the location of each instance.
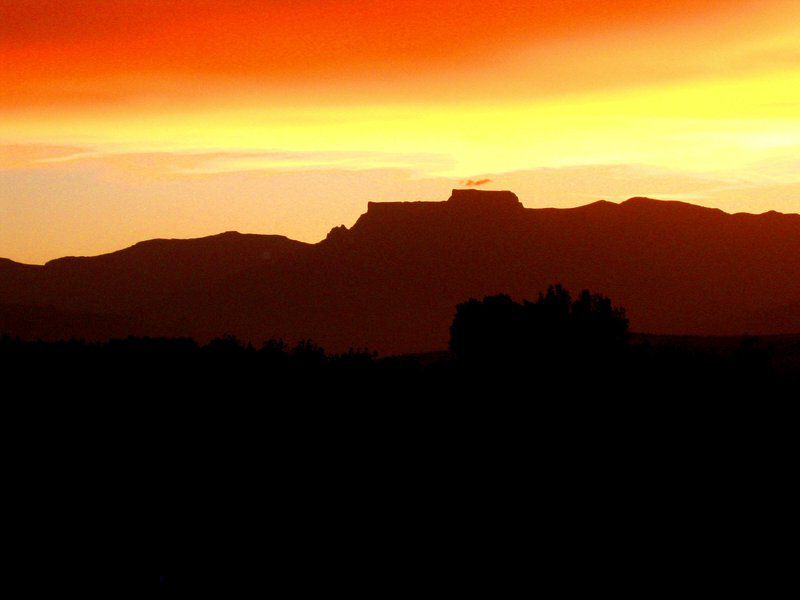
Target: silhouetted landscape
(552, 340)
(589, 351)
(391, 282)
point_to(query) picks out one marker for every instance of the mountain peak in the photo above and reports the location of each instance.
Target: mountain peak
(641, 199)
(642, 202)
(485, 199)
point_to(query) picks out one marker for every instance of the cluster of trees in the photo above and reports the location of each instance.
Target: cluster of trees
(585, 341)
(553, 329)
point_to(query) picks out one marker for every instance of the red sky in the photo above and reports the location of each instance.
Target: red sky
(55, 49)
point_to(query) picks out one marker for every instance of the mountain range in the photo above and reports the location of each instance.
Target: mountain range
(391, 282)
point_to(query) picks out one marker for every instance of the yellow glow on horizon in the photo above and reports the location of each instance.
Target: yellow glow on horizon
(707, 125)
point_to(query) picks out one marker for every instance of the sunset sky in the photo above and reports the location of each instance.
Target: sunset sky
(123, 120)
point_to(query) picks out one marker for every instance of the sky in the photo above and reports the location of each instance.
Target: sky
(124, 120)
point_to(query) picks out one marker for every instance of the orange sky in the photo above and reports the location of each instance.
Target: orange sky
(127, 119)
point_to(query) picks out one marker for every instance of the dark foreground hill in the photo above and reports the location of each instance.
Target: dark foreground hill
(391, 282)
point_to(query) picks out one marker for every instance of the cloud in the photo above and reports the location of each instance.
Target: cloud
(21, 156)
(475, 182)
(186, 164)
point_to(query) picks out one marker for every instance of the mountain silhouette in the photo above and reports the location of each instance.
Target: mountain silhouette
(391, 282)
(145, 275)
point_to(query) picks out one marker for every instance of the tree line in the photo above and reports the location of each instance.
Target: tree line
(553, 336)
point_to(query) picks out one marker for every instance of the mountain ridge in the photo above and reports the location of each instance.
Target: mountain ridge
(381, 206)
(391, 281)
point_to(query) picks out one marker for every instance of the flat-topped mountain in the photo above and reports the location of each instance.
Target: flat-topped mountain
(468, 199)
(391, 281)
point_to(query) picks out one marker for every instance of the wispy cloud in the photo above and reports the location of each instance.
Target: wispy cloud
(191, 163)
(314, 161)
(475, 182)
(19, 156)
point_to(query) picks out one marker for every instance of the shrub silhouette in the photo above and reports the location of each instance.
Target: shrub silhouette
(306, 355)
(228, 344)
(553, 330)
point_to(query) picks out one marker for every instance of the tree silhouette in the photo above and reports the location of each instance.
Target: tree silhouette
(306, 355)
(553, 330)
(228, 344)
